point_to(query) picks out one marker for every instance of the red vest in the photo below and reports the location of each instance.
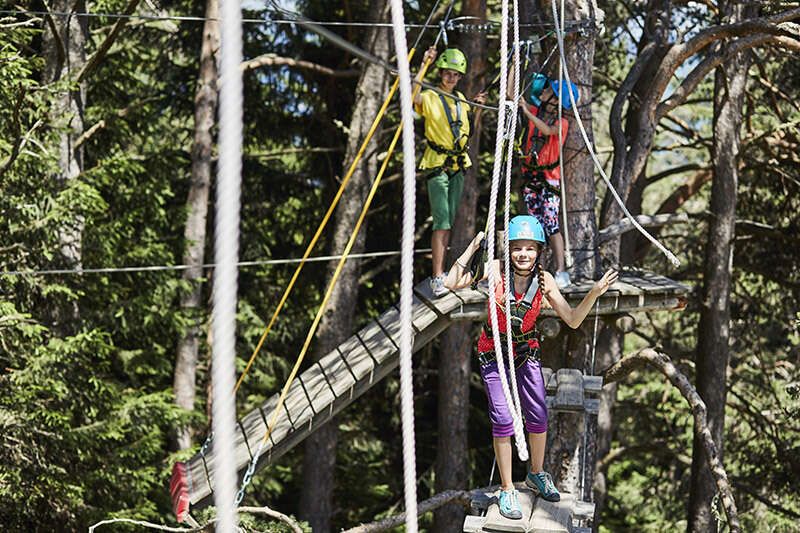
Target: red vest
(485, 343)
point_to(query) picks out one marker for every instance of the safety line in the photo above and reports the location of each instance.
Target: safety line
(205, 266)
(560, 37)
(510, 134)
(499, 149)
(312, 330)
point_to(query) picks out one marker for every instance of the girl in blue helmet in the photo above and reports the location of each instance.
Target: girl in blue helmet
(532, 287)
(541, 173)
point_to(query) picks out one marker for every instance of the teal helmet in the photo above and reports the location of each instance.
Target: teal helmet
(453, 59)
(525, 227)
(538, 82)
(566, 103)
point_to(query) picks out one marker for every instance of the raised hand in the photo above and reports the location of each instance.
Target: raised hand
(480, 98)
(430, 55)
(605, 283)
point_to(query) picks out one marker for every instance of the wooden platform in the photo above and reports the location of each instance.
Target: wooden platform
(328, 386)
(634, 292)
(538, 515)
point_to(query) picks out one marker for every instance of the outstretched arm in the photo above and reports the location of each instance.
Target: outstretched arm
(574, 317)
(459, 275)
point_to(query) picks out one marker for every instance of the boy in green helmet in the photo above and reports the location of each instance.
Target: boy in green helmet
(447, 132)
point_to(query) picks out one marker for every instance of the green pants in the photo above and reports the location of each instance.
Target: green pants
(444, 194)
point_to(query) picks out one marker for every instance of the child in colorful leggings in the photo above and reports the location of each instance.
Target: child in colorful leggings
(532, 287)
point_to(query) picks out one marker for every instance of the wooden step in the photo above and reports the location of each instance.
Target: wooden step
(538, 515)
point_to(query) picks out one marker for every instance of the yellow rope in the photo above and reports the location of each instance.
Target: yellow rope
(338, 271)
(322, 225)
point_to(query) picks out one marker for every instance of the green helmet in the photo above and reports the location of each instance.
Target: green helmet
(453, 59)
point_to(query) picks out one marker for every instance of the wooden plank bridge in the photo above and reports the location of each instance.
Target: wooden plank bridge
(332, 383)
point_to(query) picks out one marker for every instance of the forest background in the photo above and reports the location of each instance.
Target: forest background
(106, 158)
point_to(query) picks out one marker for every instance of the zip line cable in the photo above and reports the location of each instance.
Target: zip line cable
(455, 26)
(205, 266)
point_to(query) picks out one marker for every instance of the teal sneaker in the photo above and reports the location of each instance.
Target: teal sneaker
(509, 505)
(542, 483)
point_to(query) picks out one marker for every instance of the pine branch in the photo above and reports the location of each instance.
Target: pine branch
(272, 60)
(663, 364)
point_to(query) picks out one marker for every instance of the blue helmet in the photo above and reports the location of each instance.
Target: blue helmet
(538, 82)
(525, 227)
(566, 103)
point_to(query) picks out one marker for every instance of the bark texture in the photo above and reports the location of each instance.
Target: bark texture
(194, 235)
(319, 460)
(713, 342)
(64, 47)
(452, 469)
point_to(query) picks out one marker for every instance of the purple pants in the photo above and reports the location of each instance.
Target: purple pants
(530, 385)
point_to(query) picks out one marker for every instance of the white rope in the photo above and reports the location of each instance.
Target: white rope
(226, 249)
(522, 449)
(560, 37)
(512, 126)
(407, 272)
(562, 177)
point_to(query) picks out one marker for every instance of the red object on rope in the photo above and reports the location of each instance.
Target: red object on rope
(179, 491)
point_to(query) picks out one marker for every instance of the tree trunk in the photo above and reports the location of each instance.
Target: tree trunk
(566, 433)
(316, 500)
(194, 234)
(64, 46)
(713, 342)
(451, 467)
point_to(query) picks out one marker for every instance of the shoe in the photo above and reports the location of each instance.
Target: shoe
(509, 505)
(562, 279)
(437, 285)
(542, 484)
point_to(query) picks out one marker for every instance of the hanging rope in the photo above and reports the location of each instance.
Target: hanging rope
(226, 249)
(500, 146)
(407, 276)
(511, 127)
(560, 37)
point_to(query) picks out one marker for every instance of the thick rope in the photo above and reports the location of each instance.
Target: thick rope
(522, 449)
(511, 131)
(560, 37)
(407, 276)
(226, 249)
